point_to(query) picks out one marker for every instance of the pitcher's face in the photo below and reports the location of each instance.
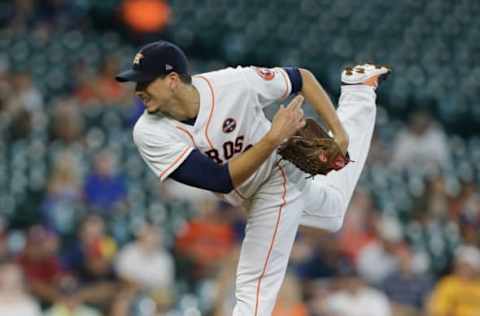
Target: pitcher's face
(157, 95)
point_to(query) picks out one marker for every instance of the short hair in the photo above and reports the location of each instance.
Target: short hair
(186, 78)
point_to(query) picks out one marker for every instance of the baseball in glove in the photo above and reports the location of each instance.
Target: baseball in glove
(313, 151)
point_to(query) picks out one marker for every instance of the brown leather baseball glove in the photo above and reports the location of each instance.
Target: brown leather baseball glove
(313, 151)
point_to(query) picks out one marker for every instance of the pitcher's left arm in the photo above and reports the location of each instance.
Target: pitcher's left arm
(315, 95)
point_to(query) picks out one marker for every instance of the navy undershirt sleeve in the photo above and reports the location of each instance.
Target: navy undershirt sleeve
(295, 78)
(201, 172)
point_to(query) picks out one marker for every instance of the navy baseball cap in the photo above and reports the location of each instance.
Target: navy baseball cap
(154, 60)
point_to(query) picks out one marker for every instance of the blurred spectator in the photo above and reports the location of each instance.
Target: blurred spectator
(146, 264)
(465, 208)
(61, 208)
(432, 231)
(99, 88)
(105, 190)
(20, 126)
(148, 270)
(437, 197)
(467, 203)
(68, 302)
(25, 93)
(406, 288)
(355, 298)
(436, 238)
(318, 294)
(92, 240)
(14, 300)
(41, 263)
(105, 88)
(67, 121)
(379, 153)
(457, 294)
(422, 145)
(313, 257)
(90, 260)
(379, 258)
(359, 227)
(84, 84)
(289, 301)
(21, 104)
(224, 293)
(206, 240)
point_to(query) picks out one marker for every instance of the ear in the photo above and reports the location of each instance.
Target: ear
(173, 80)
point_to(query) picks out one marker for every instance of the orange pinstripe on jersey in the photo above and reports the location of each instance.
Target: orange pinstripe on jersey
(211, 110)
(175, 161)
(259, 282)
(189, 135)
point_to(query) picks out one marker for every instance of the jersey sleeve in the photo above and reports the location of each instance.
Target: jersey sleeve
(267, 84)
(162, 154)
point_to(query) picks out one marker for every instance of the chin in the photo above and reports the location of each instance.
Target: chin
(153, 111)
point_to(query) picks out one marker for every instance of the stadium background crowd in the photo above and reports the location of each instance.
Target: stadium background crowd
(86, 229)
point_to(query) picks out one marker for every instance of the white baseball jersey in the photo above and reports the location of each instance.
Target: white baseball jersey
(230, 121)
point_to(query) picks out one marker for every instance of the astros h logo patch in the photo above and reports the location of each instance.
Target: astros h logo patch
(137, 58)
(229, 125)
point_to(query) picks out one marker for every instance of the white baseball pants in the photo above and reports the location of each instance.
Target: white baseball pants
(279, 207)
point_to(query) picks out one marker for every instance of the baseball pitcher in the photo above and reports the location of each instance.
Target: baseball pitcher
(209, 131)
